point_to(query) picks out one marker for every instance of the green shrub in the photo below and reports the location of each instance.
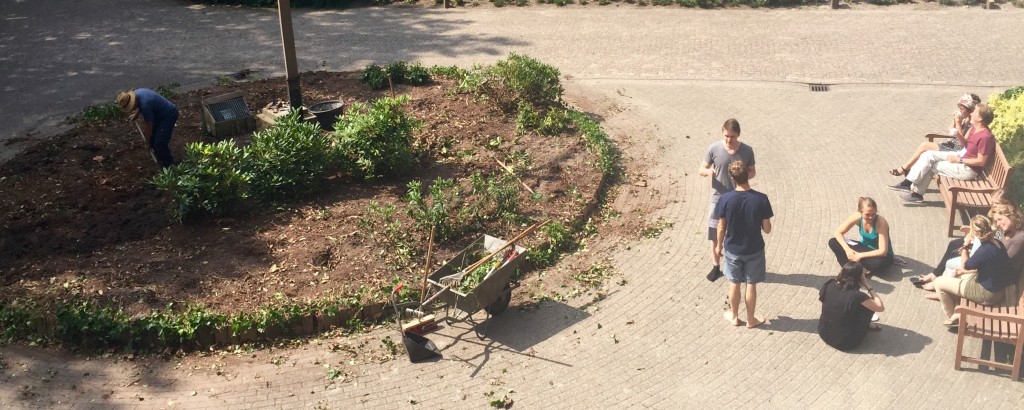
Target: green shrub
(444, 208)
(397, 71)
(597, 141)
(210, 179)
(376, 140)
(520, 78)
(295, 3)
(289, 156)
(83, 324)
(496, 197)
(99, 113)
(555, 122)
(527, 118)
(559, 240)
(417, 74)
(1008, 128)
(375, 76)
(400, 72)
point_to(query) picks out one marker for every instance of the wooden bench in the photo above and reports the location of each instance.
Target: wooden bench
(996, 323)
(974, 195)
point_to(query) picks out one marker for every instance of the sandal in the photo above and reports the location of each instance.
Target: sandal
(898, 172)
(917, 281)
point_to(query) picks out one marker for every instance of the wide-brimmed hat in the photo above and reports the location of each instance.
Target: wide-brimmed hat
(127, 101)
(967, 101)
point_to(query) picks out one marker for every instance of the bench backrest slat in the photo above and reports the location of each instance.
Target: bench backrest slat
(998, 169)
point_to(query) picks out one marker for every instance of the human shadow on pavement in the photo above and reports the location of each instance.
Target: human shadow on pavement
(514, 331)
(890, 341)
(814, 281)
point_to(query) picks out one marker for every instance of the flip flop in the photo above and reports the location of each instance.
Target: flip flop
(917, 281)
(898, 172)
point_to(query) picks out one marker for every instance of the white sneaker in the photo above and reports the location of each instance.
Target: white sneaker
(874, 317)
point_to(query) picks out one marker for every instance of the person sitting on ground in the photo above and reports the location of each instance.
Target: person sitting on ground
(965, 164)
(1001, 203)
(958, 130)
(845, 310)
(874, 230)
(984, 276)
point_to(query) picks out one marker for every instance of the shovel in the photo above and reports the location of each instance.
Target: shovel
(417, 347)
(145, 141)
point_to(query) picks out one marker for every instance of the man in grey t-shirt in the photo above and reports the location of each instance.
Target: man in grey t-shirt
(716, 165)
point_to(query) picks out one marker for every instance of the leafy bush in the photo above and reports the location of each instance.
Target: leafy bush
(444, 209)
(295, 3)
(288, 156)
(497, 197)
(376, 140)
(597, 141)
(417, 75)
(83, 324)
(210, 179)
(99, 113)
(375, 76)
(383, 226)
(400, 72)
(520, 78)
(559, 240)
(397, 71)
(1008, 128)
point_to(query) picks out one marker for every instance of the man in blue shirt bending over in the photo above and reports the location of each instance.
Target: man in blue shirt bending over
(159, 116)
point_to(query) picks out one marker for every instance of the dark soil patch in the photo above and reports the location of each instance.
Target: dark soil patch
(77, 217)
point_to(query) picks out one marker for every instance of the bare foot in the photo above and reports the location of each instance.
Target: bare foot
(928, 286)
(735, 321)
(754, 322)
(932, 296)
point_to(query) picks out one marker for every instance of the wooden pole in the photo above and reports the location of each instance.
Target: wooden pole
(284, 12)
(426, 273)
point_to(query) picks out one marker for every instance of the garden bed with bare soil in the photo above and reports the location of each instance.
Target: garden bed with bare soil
(81, 222)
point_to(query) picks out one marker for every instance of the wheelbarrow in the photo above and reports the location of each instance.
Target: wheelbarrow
(488, 287)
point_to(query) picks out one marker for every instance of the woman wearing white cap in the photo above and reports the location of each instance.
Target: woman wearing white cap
(159, 116)
(958, 130)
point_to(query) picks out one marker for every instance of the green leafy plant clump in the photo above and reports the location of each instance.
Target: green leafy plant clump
(376, 140)
(290, 156)
(95, 326)
(1008, 128)
(520, 78)
(99, 113)
(400, 72)
(210, 179)
(369, 141)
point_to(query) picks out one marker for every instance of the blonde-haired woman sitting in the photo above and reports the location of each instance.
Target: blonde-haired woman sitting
(984, 276)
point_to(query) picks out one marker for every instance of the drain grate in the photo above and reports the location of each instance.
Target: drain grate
(819, 88)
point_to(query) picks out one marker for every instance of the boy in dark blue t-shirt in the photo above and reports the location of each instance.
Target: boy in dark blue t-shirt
(742, 215)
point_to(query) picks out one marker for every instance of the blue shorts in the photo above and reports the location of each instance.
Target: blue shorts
(744, 268)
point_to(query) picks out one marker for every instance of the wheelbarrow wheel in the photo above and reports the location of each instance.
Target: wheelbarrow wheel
(499, 305)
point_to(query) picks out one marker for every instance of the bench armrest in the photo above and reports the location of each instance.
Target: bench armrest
(932, 137)
(970, 189)
(973, 311)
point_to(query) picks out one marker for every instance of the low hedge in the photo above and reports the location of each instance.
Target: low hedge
(1008, 129)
